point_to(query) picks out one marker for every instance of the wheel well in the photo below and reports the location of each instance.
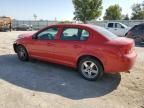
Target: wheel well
(89, 56)
(16, 45)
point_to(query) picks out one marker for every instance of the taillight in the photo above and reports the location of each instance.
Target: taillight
(124, 50)
(129, 33)
(127, 49)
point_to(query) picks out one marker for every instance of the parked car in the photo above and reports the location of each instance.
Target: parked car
(5, 24)
(137, 33)
(5, 28)
(23, 27)
(117, 28)
(91, 49)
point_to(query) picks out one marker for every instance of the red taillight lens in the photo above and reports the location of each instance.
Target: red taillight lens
(129, 33)
(124, 50)
(127, 49)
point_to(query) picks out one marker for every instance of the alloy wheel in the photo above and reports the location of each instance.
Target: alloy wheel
(89, 69)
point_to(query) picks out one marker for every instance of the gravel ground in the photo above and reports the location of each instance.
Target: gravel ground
(37, 84)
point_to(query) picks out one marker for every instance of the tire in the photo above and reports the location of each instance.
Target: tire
(90, 68)
(22, 53)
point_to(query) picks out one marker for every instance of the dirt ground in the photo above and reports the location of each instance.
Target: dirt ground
(37, 84)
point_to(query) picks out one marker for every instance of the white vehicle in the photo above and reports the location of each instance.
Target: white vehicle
(117, 28)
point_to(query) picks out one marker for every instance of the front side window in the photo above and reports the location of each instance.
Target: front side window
(117, 25)
(138, 30)
(74, 34)
(48, 34)
(110, 25)
(135, 31)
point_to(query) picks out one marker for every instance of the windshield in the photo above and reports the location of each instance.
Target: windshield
(124, 25)
(104, 32)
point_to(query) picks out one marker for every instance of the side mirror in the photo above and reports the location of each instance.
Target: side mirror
(122, 27)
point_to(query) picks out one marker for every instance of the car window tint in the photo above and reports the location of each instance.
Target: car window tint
(118, 25)
(48, 34)
(70, 34)
(74, 34)
(137, 30)
(84, 35)
(141, 30)
(104, 32)
(110, 25)
(132, 29)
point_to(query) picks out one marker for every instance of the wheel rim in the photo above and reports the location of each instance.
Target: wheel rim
(22, 53)
(89, 69)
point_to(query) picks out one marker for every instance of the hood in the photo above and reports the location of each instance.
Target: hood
(26, 35)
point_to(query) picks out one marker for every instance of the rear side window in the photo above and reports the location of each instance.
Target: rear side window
(74, 34)
(110, 25)
(104, 32)
(84, 35)
(117, 25)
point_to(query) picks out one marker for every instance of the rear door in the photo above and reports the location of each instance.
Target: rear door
(71, 43)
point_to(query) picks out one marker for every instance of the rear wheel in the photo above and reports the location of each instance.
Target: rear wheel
(90, 68)
(22, 53)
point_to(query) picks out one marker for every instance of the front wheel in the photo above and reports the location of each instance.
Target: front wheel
(22, 53)
(90, 68)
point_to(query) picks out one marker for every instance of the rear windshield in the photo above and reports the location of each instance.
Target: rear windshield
(134, 28)
(104, 32)
(137, 28)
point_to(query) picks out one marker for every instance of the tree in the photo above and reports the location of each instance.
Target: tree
(113, 12)
(86, 10)
(66, 22)
(35, 16)
(126, 17)
(138, 11)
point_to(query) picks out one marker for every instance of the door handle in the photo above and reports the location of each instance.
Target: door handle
(77, 46)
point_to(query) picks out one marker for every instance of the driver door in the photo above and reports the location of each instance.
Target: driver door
(120, 30)
(42, 47)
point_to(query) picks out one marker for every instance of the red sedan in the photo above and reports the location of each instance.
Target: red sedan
(91, 49)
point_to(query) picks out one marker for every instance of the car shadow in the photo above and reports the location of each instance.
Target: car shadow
(56, 79)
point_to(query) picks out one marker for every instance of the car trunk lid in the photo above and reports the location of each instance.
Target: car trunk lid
(125, 45)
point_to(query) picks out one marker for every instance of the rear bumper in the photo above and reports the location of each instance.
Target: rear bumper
(129, 61)
(122, 64)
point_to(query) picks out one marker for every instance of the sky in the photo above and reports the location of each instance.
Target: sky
(52, 9)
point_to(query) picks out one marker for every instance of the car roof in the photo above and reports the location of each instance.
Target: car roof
(90, 26)
(84, 25)
(142, 24)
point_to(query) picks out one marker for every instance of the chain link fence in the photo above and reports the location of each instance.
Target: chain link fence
(40, 24)
(129, 23)
(36, 25)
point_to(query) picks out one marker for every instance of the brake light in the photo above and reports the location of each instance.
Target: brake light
(124, 50)
(129, 33)
(127, 49)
